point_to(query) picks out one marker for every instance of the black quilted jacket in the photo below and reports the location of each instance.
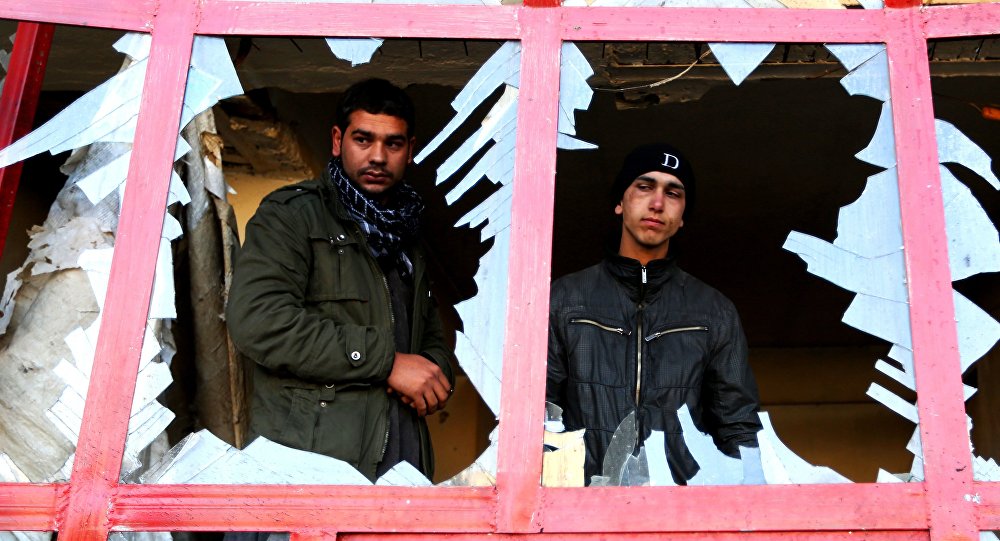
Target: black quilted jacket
(623, 338)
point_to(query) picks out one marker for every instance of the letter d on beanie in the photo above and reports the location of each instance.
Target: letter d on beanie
(655, 157)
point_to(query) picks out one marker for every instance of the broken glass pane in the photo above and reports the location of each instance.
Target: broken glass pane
(779, 158)
(49, 312)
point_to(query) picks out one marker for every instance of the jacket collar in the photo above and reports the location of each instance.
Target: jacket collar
(629, 273)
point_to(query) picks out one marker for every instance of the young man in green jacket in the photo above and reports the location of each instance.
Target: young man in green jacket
(330, 300)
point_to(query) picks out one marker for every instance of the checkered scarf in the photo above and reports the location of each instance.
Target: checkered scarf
(388, 230)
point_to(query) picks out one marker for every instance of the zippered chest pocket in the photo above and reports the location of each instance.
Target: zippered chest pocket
(597, 350)
(339, 270)
(675, 355)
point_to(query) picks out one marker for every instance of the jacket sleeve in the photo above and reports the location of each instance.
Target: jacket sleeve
(729, 394)
(267, 316)
(556, 372)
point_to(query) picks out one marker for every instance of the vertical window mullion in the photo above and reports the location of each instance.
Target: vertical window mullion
(523, 391)
(106, 416)
(944, 437)
(18, 104)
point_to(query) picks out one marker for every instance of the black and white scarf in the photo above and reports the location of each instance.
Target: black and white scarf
(388, 230)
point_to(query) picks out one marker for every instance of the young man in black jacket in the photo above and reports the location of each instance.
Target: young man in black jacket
(637, 333)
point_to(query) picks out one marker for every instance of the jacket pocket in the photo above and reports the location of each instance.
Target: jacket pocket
(339, 270)
(297, 426)
(676, 353)
(341, 429)
(597, 350)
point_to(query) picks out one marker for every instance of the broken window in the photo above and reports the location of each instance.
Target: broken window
(797, 160)
(246, 131)
(963, 93)
(278, 132)
(949, 505)
(57, 254)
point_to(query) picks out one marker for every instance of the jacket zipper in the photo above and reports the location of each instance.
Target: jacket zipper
(392, 317)
(618, 330)
(638, 338)
(658, 334)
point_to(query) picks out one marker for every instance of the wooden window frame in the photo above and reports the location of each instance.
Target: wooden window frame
(949, 505)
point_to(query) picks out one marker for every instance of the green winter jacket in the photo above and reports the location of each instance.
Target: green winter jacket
(310, 306)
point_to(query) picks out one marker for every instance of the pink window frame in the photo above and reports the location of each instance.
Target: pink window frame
(948, 505)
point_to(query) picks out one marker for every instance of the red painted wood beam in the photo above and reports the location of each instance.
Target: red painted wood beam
(676, 509)
(736, 508)
(18, 104)
(313, 535)
(99, 451)
(358, 20)
(902, 4)
(542, 3)
(134, 15)
(961, 21)
(698, 536)
(718, 24)
(987, 499)
(302, 507)
(941, 404)
(522, 397)
(30, 507)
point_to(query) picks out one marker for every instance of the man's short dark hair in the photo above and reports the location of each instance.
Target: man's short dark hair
(375, 96)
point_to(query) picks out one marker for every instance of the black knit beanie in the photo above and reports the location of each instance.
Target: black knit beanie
(655, 157)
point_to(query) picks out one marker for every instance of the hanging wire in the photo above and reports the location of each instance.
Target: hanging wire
(661, 81)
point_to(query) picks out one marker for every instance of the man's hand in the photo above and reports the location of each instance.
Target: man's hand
(421, 383)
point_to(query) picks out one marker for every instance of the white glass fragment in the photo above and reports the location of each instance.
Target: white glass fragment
(740, 59)
(656, 455)
(493, 165)
(955, 147)
(202, 458)
(973, 243)
(881, 151)
(135, 45)
(554, 418)
(498, 125)
(9, 472)
(97, 263)
(354, 50)
(574, 92)
(986, 469)
(479, 348)
(881, 276)
(715, 467)
(403, 475)
(614, 470)
(870, 79)
(89, 114)
(502, 67)
(894, 402)
(852, 55)
(782, 466)
(482, 360)
(870, 226)
(753, 467)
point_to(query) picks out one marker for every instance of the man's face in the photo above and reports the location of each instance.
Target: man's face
(651, 209)
(375, 151)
